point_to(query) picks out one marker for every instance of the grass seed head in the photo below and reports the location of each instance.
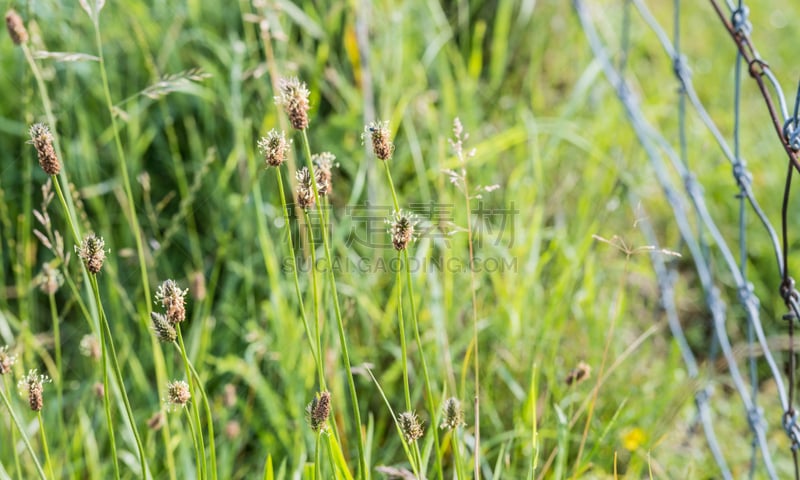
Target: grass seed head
(410, 426)
(305, 191)
(42, 140)
(32, 386)
(401, 228)
(163, 328)
(90, 347)
(50, 279)
(579, 374)
(318, 410)
(453, 414)
(92, 252)
(16, 28)
(178, 394)
(274, 148)
(173, 299)
(378, 134)
(323, 165)
(6, 360)
(99, 390)
(293, 98)
(156, 422)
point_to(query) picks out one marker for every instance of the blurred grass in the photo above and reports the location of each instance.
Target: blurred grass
(546, 128)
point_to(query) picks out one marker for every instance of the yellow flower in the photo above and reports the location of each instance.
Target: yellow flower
(633, 438)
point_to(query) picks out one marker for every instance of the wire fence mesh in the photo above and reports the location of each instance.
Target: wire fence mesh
(671, 164)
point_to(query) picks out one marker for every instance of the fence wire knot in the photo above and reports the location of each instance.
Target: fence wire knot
(790, 426)
(740, 21)
(757, 67)
(788, 292)
(747, 295)
(791, 134)
(681, 69)
(693, 188)
(702, 396)
(755, 418)
(742, 176)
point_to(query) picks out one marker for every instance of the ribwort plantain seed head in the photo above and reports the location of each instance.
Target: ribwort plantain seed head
(293, 98)
(274, 147)
(42, 140)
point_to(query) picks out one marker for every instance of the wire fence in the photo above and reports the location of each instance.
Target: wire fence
(698, 229)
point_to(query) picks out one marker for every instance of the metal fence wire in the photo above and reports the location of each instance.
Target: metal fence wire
(696, 225)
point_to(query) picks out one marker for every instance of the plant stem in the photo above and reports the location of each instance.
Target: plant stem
(476, 357)
(195, 409)
(46, 449)
(316, 354)
(402, 327)
(123, 167)
(209, 420)
(314, 288)
(107, 405)
(118, 374)
(22, 433)
(339, 322)
(317, 459)
(417, 337)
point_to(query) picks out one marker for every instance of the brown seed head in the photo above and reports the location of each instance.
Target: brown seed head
(294, 100)
(173, 299)
(50, 279)
(178, 393)
(453, 414)
(42, 139)
(323, 163)
(305, 191)
(155, 422)
(197, 286)
(274, 147)
(318, 410)
(32, 386)
(229, 395)
(99, 390)
(90, 347)
(92, 252)
(579, 373)
(16, 28)
(6, 360)
(378, 134)
(401, 228)
(232, 430)
(163, 328)
(410, 426)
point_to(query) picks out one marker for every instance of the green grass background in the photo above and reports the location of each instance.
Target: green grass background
(546, 128)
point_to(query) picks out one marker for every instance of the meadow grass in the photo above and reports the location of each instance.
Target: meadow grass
(157, 111)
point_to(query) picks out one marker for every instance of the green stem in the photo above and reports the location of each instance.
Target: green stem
(339, 322)
(456, 454)
(118, 374)
(195, 408)
(209, 420)
(418, 338)
(197, 455)
(316, 355)
(476, 356)
(122, 165)
(107, 404)
(21, 431)
(403, 349)
(317, 460)
(314, 288)
(60, 380)
(46, 449)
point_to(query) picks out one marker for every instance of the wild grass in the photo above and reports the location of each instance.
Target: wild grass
(156, 112)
